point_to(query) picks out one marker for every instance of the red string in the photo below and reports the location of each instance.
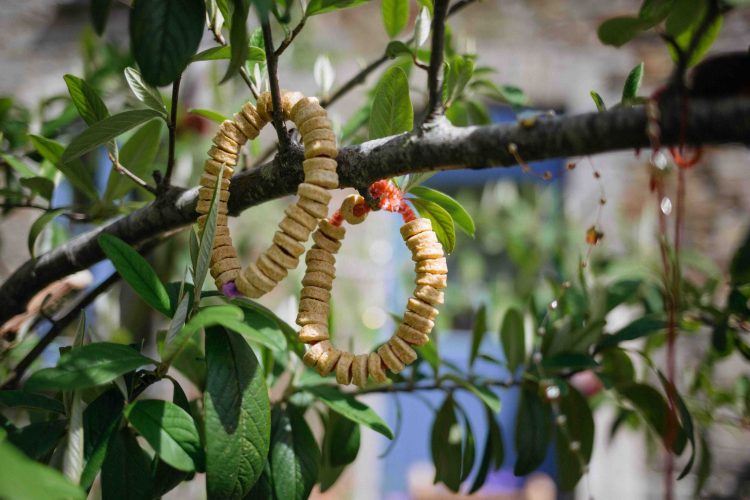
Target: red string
(390, 198)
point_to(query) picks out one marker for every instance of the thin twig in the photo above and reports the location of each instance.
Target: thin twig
(120, 168)
(219, 38)
(272, 63)
(58, 325)
(172, 125)
(435, 101)
(290, 38)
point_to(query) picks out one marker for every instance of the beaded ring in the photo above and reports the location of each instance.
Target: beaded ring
(418, 320)
(301, 218)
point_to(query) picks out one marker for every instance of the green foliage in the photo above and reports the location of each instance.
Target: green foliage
(395, 16)
(442, 222)
(137, 272)
(392, 112)
(237, 415)
(632, 84)
(316, 7)
(164, 35)
(533, 433)
(349, 407)
(294, 455)
(88, 366)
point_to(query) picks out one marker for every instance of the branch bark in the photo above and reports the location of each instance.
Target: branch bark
(443, 147)
(434, 87)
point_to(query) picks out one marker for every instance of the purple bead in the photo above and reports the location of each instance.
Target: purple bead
(230, 290)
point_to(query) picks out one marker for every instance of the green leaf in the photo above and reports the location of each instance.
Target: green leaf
(395, 16)
(258, 329)
(294, 455)
(75, 171)
(38, 226)
(704, 44)
(87, 101)
(169, 430)
(99, 11)
(446, 445)
(580, 428)
(494, 452)
(19, 166)
(341, 440)
(145, 93)
(651, 405)
(106, 130)
(616, 367)
(101, 420)
(137, 155)
(457, 212)
(392, 111)
(641, 327)
(38, 439)
(349, 407)
(457, 75)
(397, 48)
(288, 332)
(137, 272)
(238, 38)
(739, 268)
(685, 419)
(618, 31)
(513, 339)
(477, 333)
(164, 35)
(485, 394)
(214, 116)
(442, 222)
(29, 401)
(207, 239)
(655, 11)
(532, 436)
(22, 478)
(600, 106)
(632, 84)
(208, 316)
(316, 7)
(40, 185)
(126, 471)
(254, 54)
(237, 416)
(88, 366)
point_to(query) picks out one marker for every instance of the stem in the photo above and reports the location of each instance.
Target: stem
(172, 125)
(130, 175)
(219, 38)
(289, 39)
(15, 376)
(435, 104)
(272, 63)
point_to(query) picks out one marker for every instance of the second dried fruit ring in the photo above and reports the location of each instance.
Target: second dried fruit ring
(418, 318)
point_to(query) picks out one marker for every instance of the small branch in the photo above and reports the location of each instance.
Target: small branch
(435, 102)
(120, 168)
(219, 38)
(172, 125)
(15, 376)
(290, 38)
(272, 63)
(360, 77)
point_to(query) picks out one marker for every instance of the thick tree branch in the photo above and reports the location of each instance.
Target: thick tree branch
(435, 101)
(443, 147)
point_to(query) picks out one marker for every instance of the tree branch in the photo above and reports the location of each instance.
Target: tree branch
(272, 63)
(435, 101)
(290, 38)
(443, 147)
(172, 126)
(120, 168)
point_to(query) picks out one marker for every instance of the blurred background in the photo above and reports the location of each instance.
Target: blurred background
(531, 232)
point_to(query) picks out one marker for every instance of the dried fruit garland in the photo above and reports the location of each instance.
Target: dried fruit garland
(301, 217)
(418, 320)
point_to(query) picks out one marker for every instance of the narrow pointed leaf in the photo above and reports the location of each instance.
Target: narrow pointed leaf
(348, 406)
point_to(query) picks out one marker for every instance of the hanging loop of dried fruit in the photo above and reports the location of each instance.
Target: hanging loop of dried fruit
(418, 319)
(301, 217)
